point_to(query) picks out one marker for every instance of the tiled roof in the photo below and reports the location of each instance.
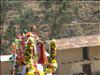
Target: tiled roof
(76, 42)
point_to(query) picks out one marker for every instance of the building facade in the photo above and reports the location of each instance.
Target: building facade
(79, 55)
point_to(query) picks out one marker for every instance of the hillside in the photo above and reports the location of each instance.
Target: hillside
(54, 19)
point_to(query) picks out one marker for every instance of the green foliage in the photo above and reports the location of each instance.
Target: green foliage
(28, 15)
(56, 14)
(9, 5)
(17, 20)
(6, 19)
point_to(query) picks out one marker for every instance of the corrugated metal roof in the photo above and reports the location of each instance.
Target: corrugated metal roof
(76, 42)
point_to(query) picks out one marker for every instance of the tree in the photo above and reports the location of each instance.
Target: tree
(56, 14)
(8, 10)
(7, 6)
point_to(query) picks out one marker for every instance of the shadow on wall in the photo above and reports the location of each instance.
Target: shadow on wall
(96, 73)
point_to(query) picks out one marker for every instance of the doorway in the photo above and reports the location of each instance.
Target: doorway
(87, 69)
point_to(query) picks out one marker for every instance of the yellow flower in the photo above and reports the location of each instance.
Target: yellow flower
(54, 54)
(54, 61)
(30, 73)
(42, 73)
(48, 70)
(31, 47)
(33, 68)
(53, 40)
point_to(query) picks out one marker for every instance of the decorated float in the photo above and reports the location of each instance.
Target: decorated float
(30, 56)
